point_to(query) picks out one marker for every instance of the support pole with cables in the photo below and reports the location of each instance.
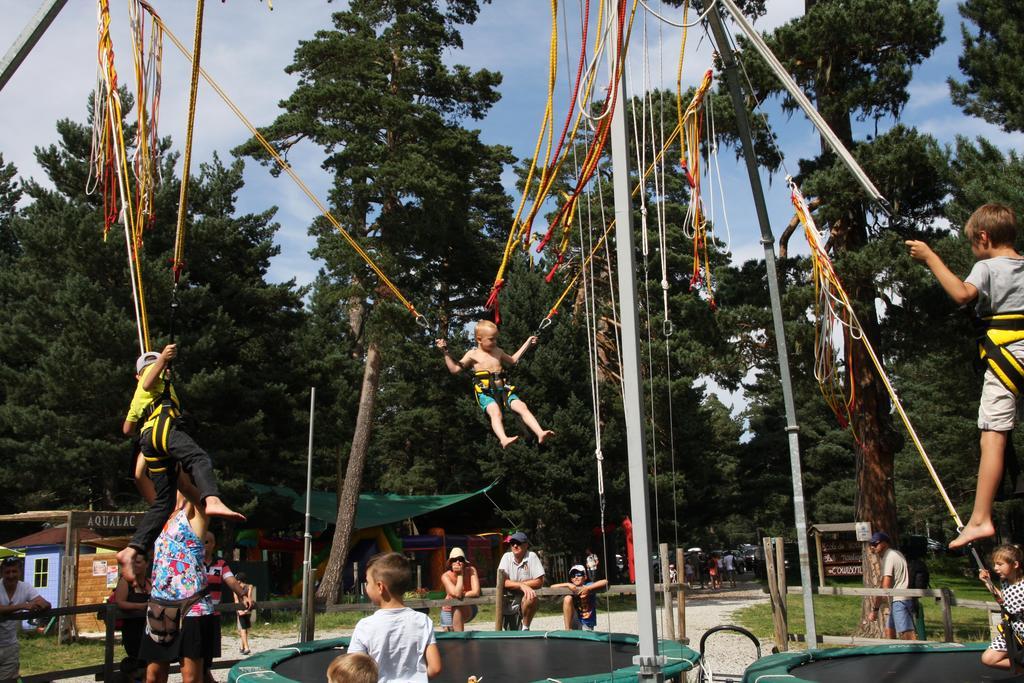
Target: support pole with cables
(768, 242)
(648, 660)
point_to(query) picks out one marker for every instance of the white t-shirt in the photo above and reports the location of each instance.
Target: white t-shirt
(730, 563)
(397, 640)
(529, 568)
(895, 565)
(9, 629)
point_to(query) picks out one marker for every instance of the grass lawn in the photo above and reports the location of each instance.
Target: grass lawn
(838, 615)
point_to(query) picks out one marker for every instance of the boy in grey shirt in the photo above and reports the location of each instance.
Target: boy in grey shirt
(996, 283)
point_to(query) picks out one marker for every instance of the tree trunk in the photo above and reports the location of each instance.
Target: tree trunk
(330, 586)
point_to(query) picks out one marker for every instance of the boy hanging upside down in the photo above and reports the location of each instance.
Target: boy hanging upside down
(164, 447)
(487, 361)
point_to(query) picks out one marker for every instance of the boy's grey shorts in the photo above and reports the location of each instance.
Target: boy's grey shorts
(997, 410)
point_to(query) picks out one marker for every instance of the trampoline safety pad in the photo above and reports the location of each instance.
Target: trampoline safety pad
(497, 657)
(939, 663)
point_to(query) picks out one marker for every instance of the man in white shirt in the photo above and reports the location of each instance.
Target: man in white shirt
(16, 596)
(729, 565)
(525, 574)
(894, 575)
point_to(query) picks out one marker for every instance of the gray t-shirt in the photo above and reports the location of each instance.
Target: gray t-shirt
(895, 565)
(529, 568)
(1000, 284)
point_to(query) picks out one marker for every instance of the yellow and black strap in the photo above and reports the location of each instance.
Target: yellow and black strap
(167, 412)
(1000, 331)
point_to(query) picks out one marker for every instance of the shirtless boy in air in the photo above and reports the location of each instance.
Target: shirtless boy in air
(487, 362)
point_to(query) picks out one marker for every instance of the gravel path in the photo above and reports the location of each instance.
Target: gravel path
(726, 653)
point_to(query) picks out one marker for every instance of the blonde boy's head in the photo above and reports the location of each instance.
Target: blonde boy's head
(357, 667)
(998, 221)
(391, 569)
(485, 327)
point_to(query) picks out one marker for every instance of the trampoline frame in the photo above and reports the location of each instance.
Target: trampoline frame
(782, 665)
(260, 667)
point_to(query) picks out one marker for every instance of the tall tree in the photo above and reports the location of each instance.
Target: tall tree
(10, 194)
(991, 60)
(419, 191)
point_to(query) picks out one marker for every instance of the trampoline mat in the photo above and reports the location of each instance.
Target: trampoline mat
(907, 667)
(496, 660)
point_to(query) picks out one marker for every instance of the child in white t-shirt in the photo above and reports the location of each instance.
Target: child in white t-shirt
(399, 639)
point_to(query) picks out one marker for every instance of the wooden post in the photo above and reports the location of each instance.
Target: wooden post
(109, 615)
(499, 598)
(681, 592)
(770, 560)
(669, 628)
(780, 568)
(419, 577)
(67, 595)
(821, 564)
(947, 614)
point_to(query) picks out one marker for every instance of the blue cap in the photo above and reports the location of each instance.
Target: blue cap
(879, 537)
(518, 537)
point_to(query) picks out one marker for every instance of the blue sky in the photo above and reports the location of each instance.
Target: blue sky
(246, 48)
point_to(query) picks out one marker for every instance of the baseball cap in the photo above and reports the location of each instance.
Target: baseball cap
(879, 537)
(518, 537)
(577, 570)
(148, 358)
(457, 554)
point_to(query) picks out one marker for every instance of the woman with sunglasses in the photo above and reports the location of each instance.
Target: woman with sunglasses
(460, 581)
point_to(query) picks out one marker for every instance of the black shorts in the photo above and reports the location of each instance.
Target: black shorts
(245, 621)
(193, 641)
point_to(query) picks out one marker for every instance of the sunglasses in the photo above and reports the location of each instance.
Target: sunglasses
(875, 544)
(460, 560)
(517, 543)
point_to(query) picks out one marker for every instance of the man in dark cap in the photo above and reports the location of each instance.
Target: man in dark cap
(894, 575)
(525, 574)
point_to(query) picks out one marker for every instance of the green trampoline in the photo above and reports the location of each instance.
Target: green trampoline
(925, 663)
(495, 656)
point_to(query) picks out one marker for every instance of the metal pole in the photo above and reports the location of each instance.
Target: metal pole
(28, 38)
(306, 625)
(791, 86)
(648, 660)
(768, 242)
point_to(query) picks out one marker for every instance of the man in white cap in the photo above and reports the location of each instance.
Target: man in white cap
(460, 581)
(525, 574)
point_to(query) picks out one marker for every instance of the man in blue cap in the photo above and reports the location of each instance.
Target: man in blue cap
(894, 575)
(525, 574)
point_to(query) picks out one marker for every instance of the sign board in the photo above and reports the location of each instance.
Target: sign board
(106, 520)
(840, 548)
(863, 531)
(99, 567)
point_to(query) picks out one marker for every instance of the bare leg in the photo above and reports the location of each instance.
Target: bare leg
(567, 612)
(192, 669)
(458, 623)
(497, 426)
(156, 672)
(529, 608)
(215, 507)
(990, 471)
(243, 635)
(995, 658)
(908, 635)
(520, 409)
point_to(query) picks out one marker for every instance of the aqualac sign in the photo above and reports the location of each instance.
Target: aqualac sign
(107, 520)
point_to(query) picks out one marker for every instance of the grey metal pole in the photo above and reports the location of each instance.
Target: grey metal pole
(28, 38)
(648, 660)
(812, 113)
(768, 242)
(306, 625)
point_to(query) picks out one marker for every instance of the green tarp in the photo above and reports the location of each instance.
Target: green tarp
(374, 509)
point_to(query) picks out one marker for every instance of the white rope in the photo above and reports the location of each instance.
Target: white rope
(665, 20)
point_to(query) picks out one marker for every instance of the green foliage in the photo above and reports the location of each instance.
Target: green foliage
(993, 51)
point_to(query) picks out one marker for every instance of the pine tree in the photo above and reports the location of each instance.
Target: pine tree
(991, 60)
(419, 191)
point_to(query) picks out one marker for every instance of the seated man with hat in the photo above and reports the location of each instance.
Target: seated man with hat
(525, 574)
(460, 581)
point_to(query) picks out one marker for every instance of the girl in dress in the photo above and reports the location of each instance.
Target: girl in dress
(1007, 561)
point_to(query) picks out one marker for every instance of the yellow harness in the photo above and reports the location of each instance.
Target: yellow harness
(167, 412)
(998, 332)
(492, 384)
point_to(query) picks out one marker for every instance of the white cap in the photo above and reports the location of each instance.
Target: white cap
(148, 358)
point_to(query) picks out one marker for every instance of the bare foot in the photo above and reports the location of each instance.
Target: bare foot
(973, 532)
(124, 561)
(507, 440)
(544, 434)
(215, 507)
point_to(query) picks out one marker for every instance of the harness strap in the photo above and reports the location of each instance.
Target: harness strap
(997, 332)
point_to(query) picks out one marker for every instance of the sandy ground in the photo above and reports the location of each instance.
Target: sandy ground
(725, 652)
